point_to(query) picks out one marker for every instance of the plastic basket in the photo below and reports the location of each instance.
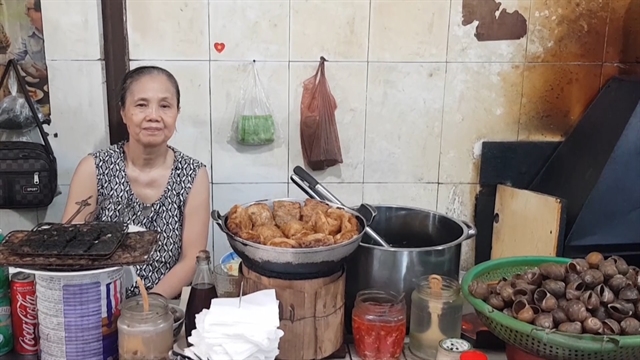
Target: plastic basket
(547, 344)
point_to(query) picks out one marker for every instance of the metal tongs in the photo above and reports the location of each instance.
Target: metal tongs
(314, 189)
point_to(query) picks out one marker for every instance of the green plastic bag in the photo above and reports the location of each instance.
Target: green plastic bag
(253, 123)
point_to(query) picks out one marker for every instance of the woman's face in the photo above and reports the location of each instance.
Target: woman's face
(151, 110)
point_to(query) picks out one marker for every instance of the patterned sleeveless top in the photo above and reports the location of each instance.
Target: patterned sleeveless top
(117, 202)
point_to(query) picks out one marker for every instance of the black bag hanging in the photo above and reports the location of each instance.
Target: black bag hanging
(28, 170)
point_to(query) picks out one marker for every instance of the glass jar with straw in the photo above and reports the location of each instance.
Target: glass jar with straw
(145, 327)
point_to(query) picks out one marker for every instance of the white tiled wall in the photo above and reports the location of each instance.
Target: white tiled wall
(415, 90)
(73, 44)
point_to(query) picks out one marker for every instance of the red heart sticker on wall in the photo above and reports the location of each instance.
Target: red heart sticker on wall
(219, 47)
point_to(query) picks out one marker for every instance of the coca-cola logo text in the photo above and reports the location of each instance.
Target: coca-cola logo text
(27, 312)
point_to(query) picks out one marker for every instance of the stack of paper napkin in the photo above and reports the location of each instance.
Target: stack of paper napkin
(238, 329)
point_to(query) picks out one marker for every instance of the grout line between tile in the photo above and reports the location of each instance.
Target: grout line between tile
(524, 69)
(289, 169)
(213, 240)
(310, 61)
(606, 40)
(366, 103)
(444, 97)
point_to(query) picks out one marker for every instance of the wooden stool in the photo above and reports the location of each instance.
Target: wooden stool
(311, 313)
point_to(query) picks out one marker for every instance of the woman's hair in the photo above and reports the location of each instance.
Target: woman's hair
(134, 75)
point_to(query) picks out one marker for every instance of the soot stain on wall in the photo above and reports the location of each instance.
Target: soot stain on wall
(505, 26)
(566, 44)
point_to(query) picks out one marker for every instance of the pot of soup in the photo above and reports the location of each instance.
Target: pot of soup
(422, 242)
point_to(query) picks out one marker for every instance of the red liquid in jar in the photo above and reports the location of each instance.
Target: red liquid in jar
(378, 339)
(200, 298)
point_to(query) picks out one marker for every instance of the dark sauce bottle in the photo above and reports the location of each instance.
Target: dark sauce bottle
(203, 290)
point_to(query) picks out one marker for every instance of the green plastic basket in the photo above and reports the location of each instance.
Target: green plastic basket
(551, 345)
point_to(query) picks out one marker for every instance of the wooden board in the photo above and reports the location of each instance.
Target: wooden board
(526, 223)
(134, 250)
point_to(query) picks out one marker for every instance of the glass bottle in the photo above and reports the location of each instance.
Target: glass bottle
(379, 323)
(436, 314)
(203, 290)
(145, 335)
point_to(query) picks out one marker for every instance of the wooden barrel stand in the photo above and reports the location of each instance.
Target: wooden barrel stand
(311, 313)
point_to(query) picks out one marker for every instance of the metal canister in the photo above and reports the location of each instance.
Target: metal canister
(451, 349)
(25, 313)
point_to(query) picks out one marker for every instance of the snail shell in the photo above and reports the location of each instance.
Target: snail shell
(479, 290)
(502, 283)
(594, 259)
(605, 294)
(636, 272)
(575, 289)
(592, 278)
(632, 276)
(508, 312)
(630, 326)
(533, 277)
(608, 269)
(611, 327)
(571, 277)
(522, 293)
(559, 316)
(496, 302)
(523, 311)
(576, 311)
(629, 293)
(600, 313)
(590, 300)
(554, 287)
(553, 271)
(617, 283)
(544, 300)
(618, 311)
(571, 327)
(524, 284)
(544, 320)
(506, 293)
(562, 303)
(578, 266)
(592, 326)
(621, 265)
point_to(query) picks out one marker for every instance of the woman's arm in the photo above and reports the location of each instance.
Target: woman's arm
(84, 183)
(195, 234)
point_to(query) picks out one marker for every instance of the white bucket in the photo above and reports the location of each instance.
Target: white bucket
(77, 314)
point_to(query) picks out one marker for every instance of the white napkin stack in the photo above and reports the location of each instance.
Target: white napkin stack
(238, 330)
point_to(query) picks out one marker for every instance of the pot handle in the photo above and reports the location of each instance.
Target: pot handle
(367, 211)
(471, 230)
(217, 218)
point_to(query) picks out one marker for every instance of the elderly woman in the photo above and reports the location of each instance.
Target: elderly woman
(147, 183)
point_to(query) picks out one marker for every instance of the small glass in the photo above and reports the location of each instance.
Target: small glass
(379, 323)
(228, 285)
(145, 335)
(436, 314)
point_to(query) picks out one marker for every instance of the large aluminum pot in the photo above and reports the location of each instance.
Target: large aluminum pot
(423, 242)
(293, 264)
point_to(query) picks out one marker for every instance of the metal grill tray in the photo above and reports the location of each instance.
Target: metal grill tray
(88, 240)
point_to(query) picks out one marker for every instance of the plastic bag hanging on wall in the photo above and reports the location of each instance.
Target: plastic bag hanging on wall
(253, 123)
(318, 129)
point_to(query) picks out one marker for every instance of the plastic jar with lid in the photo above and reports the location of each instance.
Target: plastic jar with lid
(144, 334)
(379, 324)
(436, 314)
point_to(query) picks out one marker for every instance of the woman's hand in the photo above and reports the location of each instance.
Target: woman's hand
(195, 235)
